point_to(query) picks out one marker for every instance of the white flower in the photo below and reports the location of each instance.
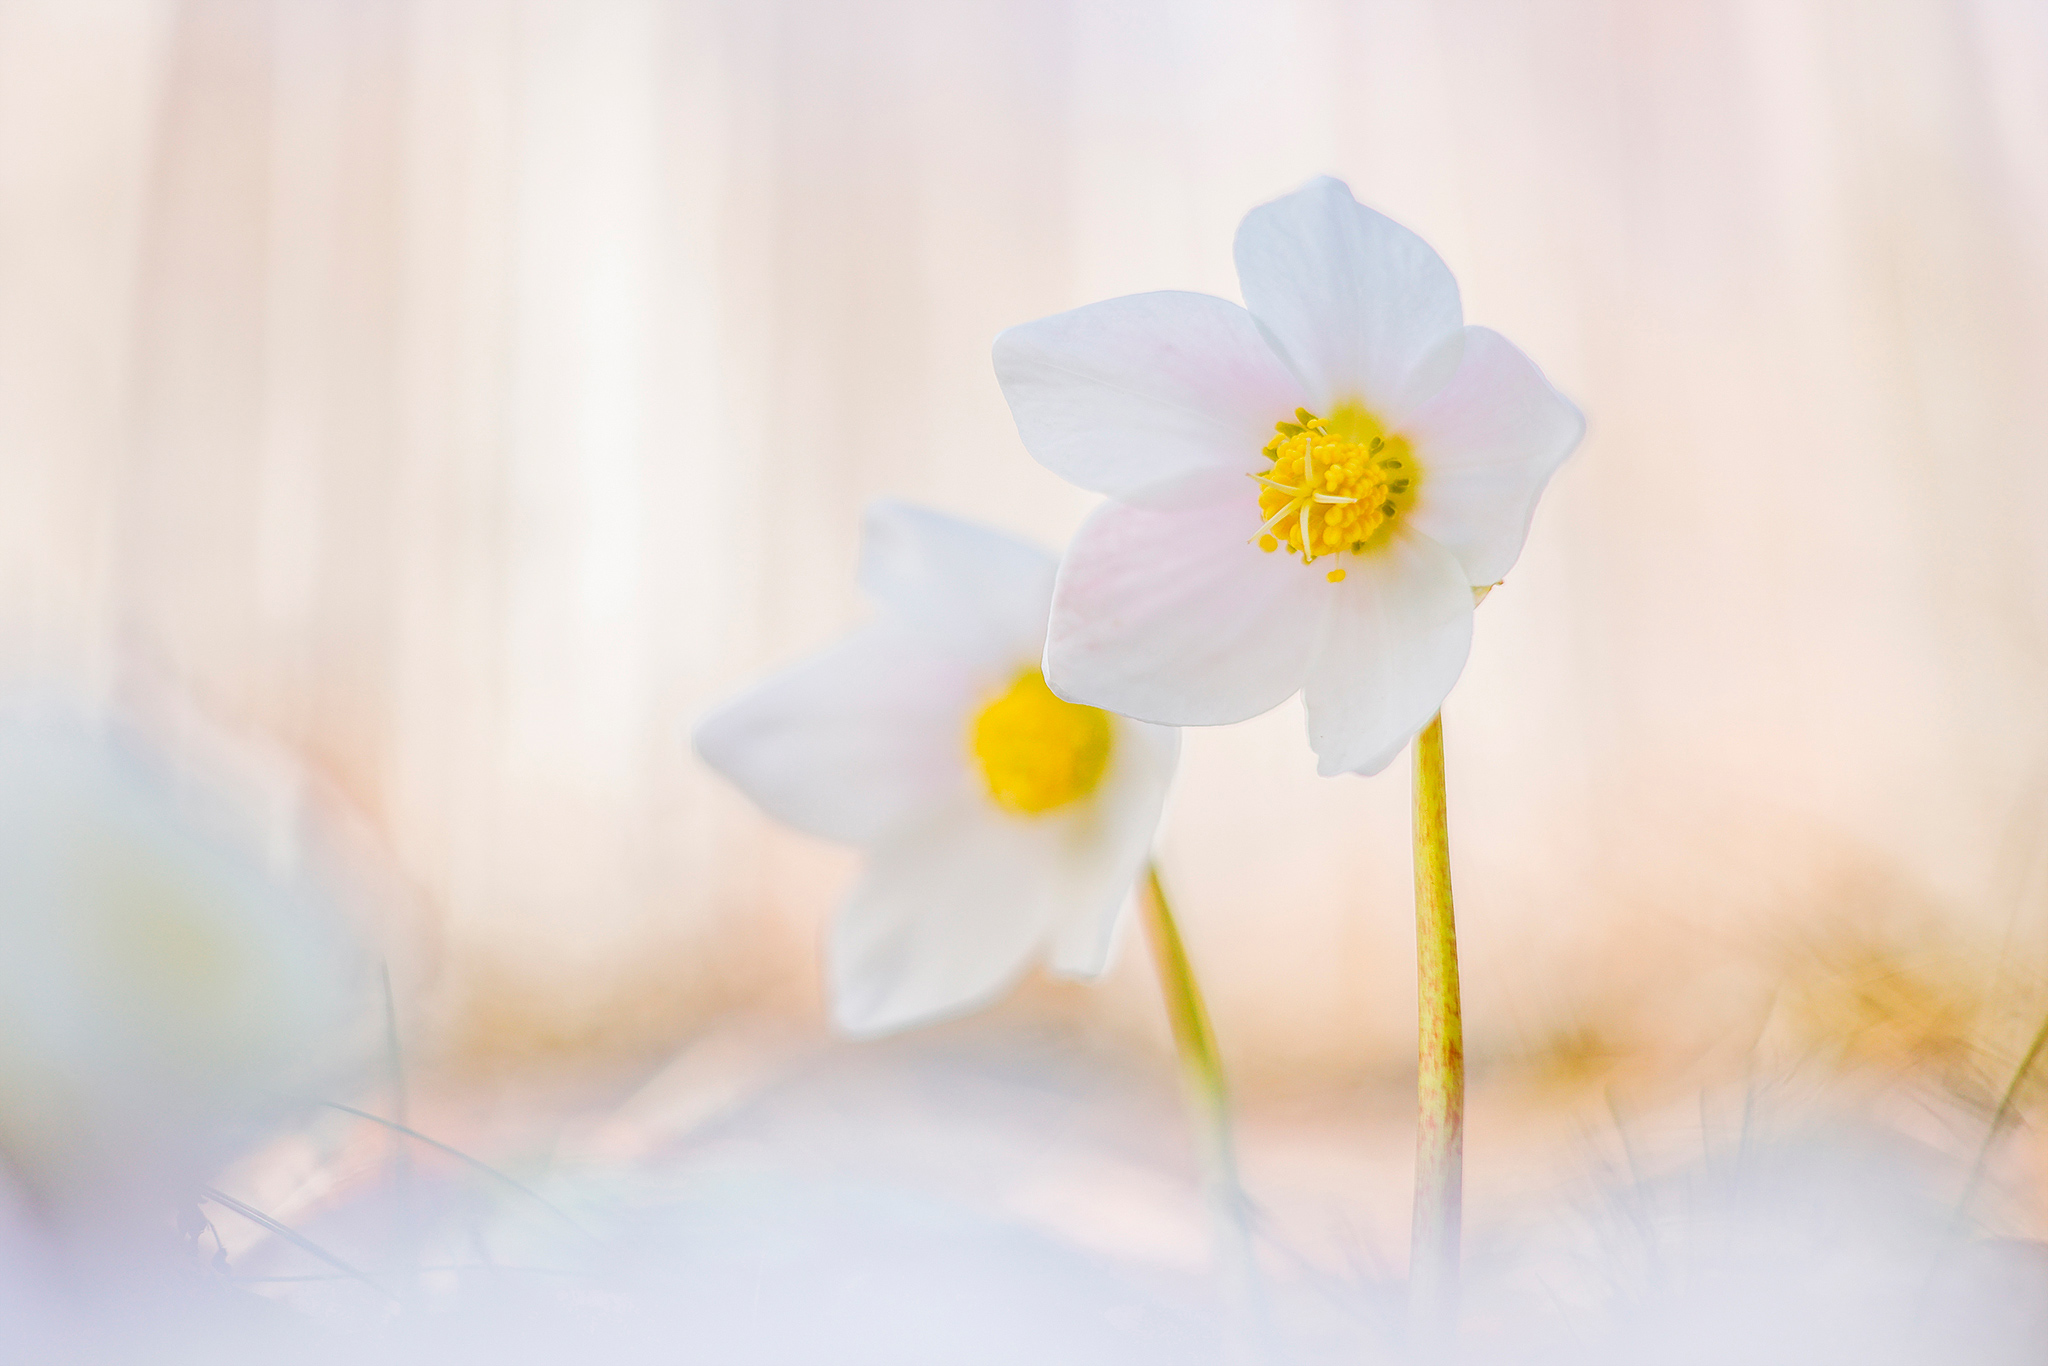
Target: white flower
(1001, 824)
(162, 984)
(1345, 420)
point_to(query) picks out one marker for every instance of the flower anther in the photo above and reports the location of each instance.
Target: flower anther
(1337, 484)
(1038, 752)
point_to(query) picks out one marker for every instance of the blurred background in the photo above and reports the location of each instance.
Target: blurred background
(449, 399)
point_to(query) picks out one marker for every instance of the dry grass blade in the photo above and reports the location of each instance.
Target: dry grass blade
(456, 1153)
(290, 1235)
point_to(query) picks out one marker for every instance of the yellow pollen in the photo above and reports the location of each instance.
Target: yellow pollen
(1336, 484)
(1037, 751)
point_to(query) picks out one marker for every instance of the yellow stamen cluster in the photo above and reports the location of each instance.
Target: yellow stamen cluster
(1039, 752)
(1336, 484)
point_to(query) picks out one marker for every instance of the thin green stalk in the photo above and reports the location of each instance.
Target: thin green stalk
(1959, 1218)
(1999, 1118)
(1201, 1066)
(1440, 1080)
(1193, 1040)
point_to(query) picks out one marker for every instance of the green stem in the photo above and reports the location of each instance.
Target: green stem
(1440, 1080)
(1201, 1066)
(1999, 1117)
(1193, 1040)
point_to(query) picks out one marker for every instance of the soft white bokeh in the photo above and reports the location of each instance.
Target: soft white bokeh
(971, 1194)
(168, 989)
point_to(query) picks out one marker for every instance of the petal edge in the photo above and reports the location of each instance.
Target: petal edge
(1172, 616)
(1398, 638)
(1143, 391)
(1488, 445)
(1362, 308)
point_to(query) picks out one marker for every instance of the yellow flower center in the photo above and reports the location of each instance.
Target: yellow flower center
(1039, 752)
(1336, 484)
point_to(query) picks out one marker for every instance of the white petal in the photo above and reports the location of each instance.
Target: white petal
(1487, 445)
(1399, 630)
(851, 741)
(1134, 394)
(969, 589)
(1108, 843)
(1172, 616)
(947, 915)
(1361, 307)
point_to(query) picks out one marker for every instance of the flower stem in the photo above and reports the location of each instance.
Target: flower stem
(1201, 1066)
(1440, 1081)
(2000, 1117)
(1193, 1040)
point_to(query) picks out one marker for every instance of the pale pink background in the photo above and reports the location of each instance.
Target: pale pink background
(464, 394)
